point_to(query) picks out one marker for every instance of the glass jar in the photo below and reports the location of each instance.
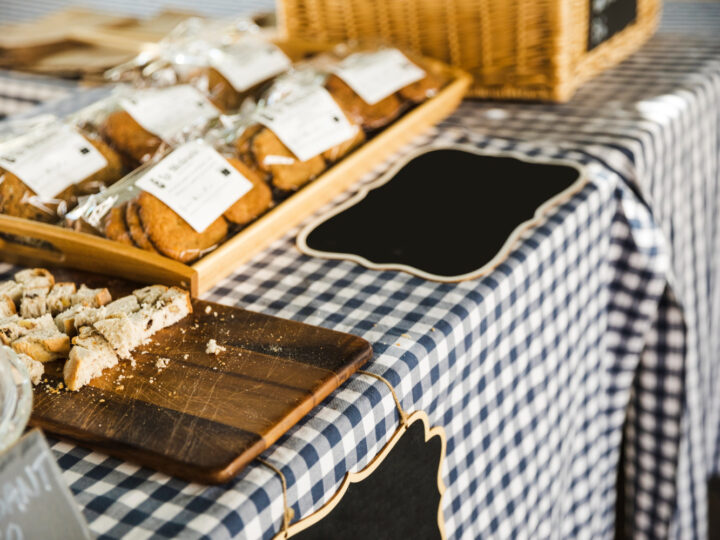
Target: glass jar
(15, 397)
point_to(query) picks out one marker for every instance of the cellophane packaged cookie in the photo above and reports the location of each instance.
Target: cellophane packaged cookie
(294, 133)
(181, 206)
(376, 84)
(143, 123)
(47, 164)
(227, 62)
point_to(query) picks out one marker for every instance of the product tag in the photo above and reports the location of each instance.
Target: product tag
(35, 501)
(197, 183)
(49, 160)
(376, 75)
(167, 112)
(308, 124)
(248, 63)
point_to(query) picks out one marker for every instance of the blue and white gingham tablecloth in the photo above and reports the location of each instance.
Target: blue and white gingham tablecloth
(590, 353)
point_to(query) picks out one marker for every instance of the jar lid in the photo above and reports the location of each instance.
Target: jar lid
(15, 397)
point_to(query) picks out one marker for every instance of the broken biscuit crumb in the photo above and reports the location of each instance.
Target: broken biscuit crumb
(208, 309)
(162, 363)
(213, 348)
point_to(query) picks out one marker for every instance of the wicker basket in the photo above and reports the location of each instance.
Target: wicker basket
(529, 49)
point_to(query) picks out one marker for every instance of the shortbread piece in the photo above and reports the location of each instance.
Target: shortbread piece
(14, 327)
(12, 289)
(126, 332)
(7, 306)
(33, 278)
(60, 297)
(35, 369)
(126, 304)
(43, 344)
(34, 302)
(91, 297)
(39, 323)
(122, 333)
(90, 356)
(10, 329)
(65, 321)
(79, 315)
(173, 305)
(149, 295)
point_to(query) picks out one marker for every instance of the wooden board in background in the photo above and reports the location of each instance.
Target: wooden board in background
(204, 417)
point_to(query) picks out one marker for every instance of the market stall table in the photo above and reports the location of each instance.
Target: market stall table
(656, 120)
(531, 369)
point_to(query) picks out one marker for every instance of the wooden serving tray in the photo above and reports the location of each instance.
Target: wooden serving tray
(203, 417)
(64, 247)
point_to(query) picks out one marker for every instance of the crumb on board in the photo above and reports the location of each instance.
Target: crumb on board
(208, 309)
(120, 387)
(186, 356)
(213, 348)
(162, 363)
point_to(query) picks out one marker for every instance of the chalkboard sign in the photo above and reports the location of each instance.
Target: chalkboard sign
(398, 496)
(607, 18)
(34, 500)
(446, 214)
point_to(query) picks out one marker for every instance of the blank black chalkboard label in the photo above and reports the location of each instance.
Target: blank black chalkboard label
(399, 499)
(447, 214)
(34, 500)
(607, 18)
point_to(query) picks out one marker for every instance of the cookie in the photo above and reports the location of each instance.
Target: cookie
(171, 234)
(287, 172)
(370, 117)
(106, 176)
(129, 137)
(115, 227)
(336, 152)
(435, 78)
(17, 199)
(222, 93)
(135, 229)
(254, 202)
(243, 144)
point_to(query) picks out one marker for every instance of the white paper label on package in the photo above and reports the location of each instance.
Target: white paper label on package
(197, 183)
(248, 63)
(374, 76)
(50, 160)
(167, 112)
(308, 124)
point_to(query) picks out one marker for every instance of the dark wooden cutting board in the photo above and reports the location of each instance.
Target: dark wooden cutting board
(203, 417)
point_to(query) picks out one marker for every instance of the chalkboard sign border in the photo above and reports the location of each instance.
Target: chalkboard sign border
(359, 476)
(502, 254)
